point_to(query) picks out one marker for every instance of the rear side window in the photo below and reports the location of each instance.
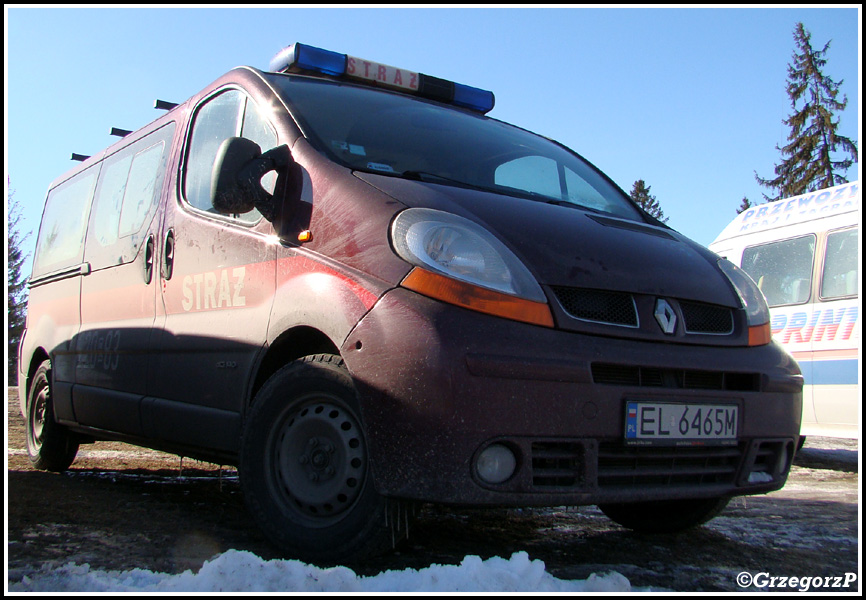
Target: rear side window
(126, 199)
(783, 269)
(61, 235)
(109, 200)
(140, 189)
(841, 272)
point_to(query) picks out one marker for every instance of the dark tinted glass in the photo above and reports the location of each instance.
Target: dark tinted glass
(394, 134)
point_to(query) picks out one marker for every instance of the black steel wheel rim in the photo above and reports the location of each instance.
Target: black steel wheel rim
(319, 460)
(38, 407)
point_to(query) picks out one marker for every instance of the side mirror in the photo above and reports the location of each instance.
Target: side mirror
(236, 176)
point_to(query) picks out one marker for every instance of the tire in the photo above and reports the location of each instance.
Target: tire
(51, 446)
(305, 470)
(666, 516)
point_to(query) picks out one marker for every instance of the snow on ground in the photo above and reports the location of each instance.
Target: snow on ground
(237, 571)
(240, 571)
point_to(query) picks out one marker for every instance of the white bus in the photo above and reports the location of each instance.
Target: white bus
(803, 252)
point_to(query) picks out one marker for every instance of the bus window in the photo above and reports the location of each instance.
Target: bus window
(783, 270)
(840, 265)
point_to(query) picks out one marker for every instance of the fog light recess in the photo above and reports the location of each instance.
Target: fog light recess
(495, 464)
(786, 456)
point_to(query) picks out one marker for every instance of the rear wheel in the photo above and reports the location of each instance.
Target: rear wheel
(665, 516)
(305, 468)
(51, 446)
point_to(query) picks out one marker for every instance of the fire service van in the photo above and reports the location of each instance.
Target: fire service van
(803, 253)
(345, 279)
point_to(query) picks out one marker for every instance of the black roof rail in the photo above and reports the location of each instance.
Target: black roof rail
(163, 105)
(79, 157)
(120, 132)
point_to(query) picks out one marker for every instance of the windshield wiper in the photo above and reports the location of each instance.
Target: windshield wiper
(568, 203)
(434, 178)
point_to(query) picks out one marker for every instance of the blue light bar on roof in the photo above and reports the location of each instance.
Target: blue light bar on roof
(303, 58)
(308, 58)
(470, 97)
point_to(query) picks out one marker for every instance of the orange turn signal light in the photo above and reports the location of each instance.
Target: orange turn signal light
(760, 335)
(477, 298)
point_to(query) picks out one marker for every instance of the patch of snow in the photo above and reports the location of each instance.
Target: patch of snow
(760, 477)
(240, 571)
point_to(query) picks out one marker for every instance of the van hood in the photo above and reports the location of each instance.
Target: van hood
(564, 246)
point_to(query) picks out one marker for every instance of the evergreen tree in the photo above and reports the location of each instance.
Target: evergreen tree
(640, 193)
(808, 163)
(744, 205)
(17, 288)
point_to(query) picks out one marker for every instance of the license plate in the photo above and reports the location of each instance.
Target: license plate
(680, 424)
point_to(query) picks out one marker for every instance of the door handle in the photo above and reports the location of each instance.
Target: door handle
(148, 259)
(168, 255)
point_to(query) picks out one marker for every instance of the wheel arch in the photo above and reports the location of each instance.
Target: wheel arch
(292, 344)
(39, 356)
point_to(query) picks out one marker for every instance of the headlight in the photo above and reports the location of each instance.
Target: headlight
(757, 311)
(460, 262)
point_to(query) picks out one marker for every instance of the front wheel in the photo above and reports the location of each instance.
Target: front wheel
(51, 446)
(305, 469)
(664, 516)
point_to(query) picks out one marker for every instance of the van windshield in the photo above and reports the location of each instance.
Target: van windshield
(393, 134)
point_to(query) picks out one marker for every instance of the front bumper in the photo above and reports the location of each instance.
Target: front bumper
(438, 384)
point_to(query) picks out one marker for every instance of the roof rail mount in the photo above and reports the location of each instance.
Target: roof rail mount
(163, 104)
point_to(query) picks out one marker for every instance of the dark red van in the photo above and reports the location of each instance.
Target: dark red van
(347, 280)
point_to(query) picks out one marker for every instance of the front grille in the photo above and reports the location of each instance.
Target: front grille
(614, 308)
(623, 466)
(638, 376)
(707, 318)
(620, 309)
(557, 464)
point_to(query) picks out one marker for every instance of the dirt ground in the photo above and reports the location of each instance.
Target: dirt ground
(120, 507)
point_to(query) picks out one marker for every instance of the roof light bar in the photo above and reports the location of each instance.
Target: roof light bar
(301, 57)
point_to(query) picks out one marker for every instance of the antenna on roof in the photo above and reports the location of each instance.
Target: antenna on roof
(163, 105)
(79, 157)
(120, 132)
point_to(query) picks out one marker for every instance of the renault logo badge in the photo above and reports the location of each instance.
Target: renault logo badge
(666, 316)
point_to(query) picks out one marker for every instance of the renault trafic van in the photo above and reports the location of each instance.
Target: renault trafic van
(344, 278)
(803, 253)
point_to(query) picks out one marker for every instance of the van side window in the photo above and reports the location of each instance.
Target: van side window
(783, 270)
(226, 115)
(215, 121)
(257, 129)
(139, 189)
(125, 197)
(61, 236)
(109, 199)
(840, 265)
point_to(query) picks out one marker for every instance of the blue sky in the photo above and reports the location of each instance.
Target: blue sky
(689, 100)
